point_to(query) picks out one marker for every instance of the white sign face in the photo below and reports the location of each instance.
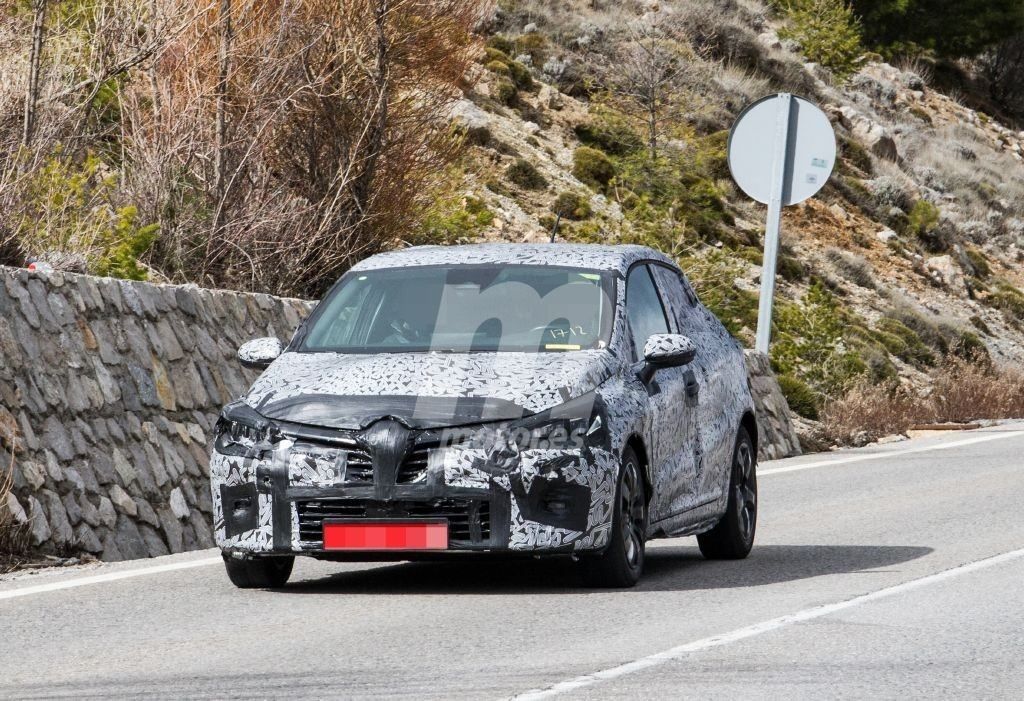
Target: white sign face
(810, 149)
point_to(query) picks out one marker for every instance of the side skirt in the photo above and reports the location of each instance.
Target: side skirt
(698, 519)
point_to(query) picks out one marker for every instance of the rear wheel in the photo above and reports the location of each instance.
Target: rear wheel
(733, 537)
(622, 562)
(258, 572)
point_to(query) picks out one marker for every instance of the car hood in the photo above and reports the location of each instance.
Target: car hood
(422, 390)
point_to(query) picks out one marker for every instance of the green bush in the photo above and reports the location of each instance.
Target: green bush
(534, 45)
(713, 275)
(453, 220)
(790, 268)
(592, 167)
(478, 136)
(950, 29)
(1008, 299)
(801, 398)
(858, 156)
(521, 75)
(810, 343)
(498, 187)
(711, 156)
(880, 367)
(923, 223)
(828, 32)
(499, 68)
(525, 175)
(672, 190)
(980, 324)
(72, 208)
(572, 206)
(498, 61)
(501, 44)
(505, 91)
(903, 342)
(980, 263)
(704, 207)
(610, 132)
(123, 244)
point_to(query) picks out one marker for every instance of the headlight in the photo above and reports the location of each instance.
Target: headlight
(571, 425)
(241, 432)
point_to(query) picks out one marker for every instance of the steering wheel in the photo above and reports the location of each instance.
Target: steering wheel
(404, 330)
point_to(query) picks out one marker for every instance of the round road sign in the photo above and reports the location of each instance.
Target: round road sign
(760, 133)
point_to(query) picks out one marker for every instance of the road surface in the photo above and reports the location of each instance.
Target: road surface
(894, 570)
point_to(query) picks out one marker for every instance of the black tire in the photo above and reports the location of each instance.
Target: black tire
(622, 562)
(259, 572)
(733, 537)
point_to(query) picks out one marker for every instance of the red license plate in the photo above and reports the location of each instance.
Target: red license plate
(431, 535)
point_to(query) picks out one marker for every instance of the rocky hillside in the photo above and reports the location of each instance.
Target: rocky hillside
(911, 253)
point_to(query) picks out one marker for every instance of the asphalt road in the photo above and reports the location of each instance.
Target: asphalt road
(892, 571)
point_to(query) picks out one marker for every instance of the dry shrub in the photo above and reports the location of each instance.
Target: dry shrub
(333, 140)
(13, 535)
(869, 411)
(962, 391)
(968, 391)
(270, 146)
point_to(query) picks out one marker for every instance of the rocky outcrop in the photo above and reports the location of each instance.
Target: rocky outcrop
(874, 136)
(108, 394)
(776, 431)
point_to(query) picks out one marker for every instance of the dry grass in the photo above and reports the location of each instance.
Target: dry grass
(961, 391)
(966, 165)
(13, 535)
(852, 267)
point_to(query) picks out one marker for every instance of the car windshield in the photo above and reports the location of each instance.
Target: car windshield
(463, 309)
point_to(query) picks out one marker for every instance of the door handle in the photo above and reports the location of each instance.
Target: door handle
(692, 386)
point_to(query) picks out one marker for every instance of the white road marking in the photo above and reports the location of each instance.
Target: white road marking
(682, 651)
(107, 577)
(864, 457)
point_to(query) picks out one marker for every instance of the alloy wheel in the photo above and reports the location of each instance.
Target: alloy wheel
(632, 514)
(745, 491)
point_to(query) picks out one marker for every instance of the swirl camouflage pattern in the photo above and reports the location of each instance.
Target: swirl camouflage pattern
(514, 450)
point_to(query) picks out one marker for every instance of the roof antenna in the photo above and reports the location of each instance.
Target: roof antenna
(554, 229)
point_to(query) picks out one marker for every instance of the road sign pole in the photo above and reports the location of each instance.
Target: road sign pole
(774, 222)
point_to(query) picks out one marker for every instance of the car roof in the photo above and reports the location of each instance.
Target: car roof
(573, 255)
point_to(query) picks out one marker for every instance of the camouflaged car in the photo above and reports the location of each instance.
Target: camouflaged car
(553, 399)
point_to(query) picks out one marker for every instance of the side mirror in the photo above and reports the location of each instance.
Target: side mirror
(260, 353)
(669, 350)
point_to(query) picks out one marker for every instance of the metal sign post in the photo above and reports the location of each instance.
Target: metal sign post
(774, 223)
(781, 152)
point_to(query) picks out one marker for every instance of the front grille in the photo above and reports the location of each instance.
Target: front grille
(359, 467)
(414, 467)
(469, 521)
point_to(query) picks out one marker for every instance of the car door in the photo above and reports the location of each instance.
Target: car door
(715, 430)
(669, 428)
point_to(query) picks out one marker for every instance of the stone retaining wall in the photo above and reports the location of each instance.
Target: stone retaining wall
(778, 438)
(109, 391)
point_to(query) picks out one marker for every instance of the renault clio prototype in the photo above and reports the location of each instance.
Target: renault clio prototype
(500, 398)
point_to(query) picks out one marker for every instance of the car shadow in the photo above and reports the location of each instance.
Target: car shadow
(674, 568)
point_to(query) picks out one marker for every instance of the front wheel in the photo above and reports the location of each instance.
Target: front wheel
(733, 536)
(259, 572)
(622, 562)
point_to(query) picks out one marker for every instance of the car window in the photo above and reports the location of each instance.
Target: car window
(679, 300)
(643, 308)
(465, 309)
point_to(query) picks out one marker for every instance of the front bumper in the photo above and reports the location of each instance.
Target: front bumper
(549, 501)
